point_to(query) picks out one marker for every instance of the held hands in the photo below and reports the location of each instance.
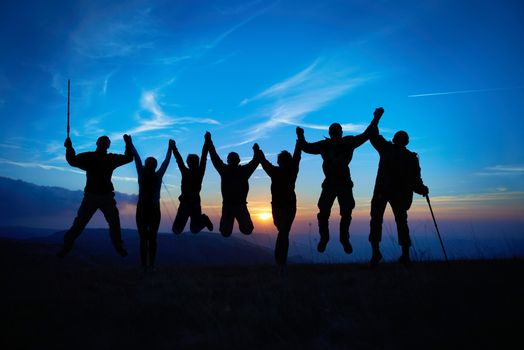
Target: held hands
(377, 114)
(68, 143)
(172, 144)
(256, 147)
(300, 133)
(127, 139)
(207, 138)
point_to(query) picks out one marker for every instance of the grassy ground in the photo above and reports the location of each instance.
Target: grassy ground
(48, 303)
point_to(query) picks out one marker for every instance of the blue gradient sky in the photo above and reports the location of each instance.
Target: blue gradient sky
(450, 73)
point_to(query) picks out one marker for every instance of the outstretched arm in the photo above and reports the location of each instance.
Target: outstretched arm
(205, 151)
(370, 131)
(266, 165)
(178, 157)
(311, 148)
(138, 161)
(162, 170)
(215, 159)
(253, 163)
(71, 157)
(377, 140)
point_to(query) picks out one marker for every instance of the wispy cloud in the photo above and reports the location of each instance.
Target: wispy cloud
(159, 120)
(462, 92)
(502, 170)
(38, 165)
(292, 99)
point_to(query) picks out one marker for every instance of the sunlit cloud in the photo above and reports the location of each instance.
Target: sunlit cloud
(462, 92)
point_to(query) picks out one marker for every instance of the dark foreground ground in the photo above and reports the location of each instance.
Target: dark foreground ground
(48, 303)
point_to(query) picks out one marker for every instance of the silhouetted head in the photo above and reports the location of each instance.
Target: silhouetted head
(335, 131)
(192, 161)
(233, 158)
(103, 143)
(284, 159)
(150, 164)
(401, 138)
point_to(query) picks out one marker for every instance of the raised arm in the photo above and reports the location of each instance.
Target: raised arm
(178, 157)
(297, 153)
(215, 159)
(162, 170)
(253, 163)
(266, 164)
(71, 157)
(138, 161)
(370, 131)
(377, 140)
(311, 148)
(127, 157)
(205, 151)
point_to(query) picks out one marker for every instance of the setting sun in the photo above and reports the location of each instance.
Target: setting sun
(265, 216)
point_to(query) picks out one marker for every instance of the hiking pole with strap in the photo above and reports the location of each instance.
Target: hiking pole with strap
(68, 92)
(436, 227)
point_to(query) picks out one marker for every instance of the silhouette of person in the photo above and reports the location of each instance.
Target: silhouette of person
(148, 213)
(398, 177)
(283, 197)
(192, 177)
(234, 186)
(336, 152)
(99, 191)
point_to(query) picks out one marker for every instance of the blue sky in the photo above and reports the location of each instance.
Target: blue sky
(449, 73)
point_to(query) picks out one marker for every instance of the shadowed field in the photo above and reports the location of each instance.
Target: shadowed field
(49, 303)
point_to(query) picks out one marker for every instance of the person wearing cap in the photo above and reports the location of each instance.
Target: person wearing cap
(336, 152)
(398, 176)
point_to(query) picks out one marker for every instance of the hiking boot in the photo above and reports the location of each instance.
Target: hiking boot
(375, 259)
(321, 247)
(348, 249)
(207, 221)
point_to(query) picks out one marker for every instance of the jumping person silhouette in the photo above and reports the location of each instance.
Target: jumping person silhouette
(234, 186)
(148, 213)
(336, 152)
(99, 190)
(192, 177)
(283, 197)
(398, 177)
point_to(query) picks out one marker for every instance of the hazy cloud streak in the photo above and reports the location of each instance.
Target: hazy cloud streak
(462, 92)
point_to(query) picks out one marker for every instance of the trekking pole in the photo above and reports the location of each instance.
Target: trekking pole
(436, 227)
(68, 93)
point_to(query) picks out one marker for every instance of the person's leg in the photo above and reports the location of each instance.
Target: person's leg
(85, 212)
(198, 221)
(400, 211)
(154, 224)
(110, 211)
(141, 225)
(245, 224)
(283, 217)
(227, 220)
(181, 218)
(346, 203)
(325, 202)
(378, 207)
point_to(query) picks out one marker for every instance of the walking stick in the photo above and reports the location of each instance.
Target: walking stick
(436, 227)
(68, 92)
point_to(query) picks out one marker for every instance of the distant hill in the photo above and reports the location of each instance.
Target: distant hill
(94, 247)
(46, 206)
